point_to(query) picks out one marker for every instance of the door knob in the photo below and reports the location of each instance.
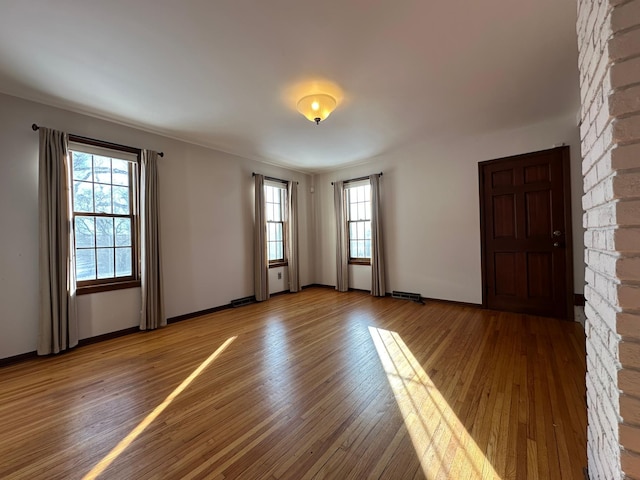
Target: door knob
(557, 233)
(556, 244)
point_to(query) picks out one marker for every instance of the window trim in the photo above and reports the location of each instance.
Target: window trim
(354, 184)
(284, 261)
(84, 287)
(359, 261)
(278, 263)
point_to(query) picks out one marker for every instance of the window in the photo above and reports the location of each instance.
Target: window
(275, 201)
(104, 206)
(359, 222)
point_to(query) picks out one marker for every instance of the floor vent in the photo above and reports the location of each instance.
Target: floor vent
(414, 297)
(241, 302)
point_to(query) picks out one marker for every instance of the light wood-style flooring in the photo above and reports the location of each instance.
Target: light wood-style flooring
(317, 384)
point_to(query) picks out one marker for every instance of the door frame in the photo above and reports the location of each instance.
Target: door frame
(566, 173)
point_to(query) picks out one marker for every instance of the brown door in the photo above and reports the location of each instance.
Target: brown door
(525, 215)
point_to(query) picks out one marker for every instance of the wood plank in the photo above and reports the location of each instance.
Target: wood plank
(302, 392)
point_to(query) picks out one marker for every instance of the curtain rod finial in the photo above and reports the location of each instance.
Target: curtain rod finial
(35, 127)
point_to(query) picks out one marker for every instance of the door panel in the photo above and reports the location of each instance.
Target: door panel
(502, 178)
(539, 269)
(536, 173)
(526, 233)
(505, 276)
(504, 210)
(538, 215)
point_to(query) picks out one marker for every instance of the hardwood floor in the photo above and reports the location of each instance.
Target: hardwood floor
(318, 384)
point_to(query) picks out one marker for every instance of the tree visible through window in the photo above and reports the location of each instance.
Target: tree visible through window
(103, 217)
(275, 200)
(359, 222)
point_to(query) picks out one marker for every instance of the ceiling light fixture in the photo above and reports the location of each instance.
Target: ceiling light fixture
(317, 107)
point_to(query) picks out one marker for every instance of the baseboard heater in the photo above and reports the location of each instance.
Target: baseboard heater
(414, 297)
(241, 302)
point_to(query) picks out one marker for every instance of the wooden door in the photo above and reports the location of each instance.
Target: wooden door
(525, 215)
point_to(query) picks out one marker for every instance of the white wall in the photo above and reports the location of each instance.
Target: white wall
(430, 208)
(360, 277)
(206, 203)
(430, 205)
(277, 285)
(106, 312)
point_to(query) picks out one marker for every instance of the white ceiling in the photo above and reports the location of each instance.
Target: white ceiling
(227, 73)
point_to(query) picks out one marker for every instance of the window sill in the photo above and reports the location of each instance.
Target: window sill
(278, 264)
(359, 261)
(105, 287)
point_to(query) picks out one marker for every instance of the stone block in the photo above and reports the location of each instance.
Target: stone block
(624, 45)
(625, 16)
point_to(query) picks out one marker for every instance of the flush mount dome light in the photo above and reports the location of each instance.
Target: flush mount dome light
(317, 107)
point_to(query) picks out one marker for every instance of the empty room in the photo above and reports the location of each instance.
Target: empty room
(348, 240)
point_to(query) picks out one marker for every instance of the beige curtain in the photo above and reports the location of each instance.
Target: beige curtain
(260, 264)
(378, 287)
(58, 322)
(152, 314)
(292, 240)
(342, 270)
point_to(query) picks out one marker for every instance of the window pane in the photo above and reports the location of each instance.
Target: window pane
(360, 230)
(123, 262)
(85, 232)
(353, 211)
(367, 230)
(367, 191)
(120, 171)
(361, 212)
(103, 198)
(360, 249)
(269, 192)
(101, 169)
(121, 200)
(367, 210)
(102, 186)
(105, 263)
(123, 232)
(278, 231)
(85, 265)
(367, 248)
(280, 251)
(104, 232)
(352, 230)
(271, 253)
(82, 197)
(353, 248)
(81, 166)
(360, 194)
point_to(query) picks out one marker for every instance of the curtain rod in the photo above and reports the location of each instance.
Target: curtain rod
(35, 127)
(273, 179)
(357, 179)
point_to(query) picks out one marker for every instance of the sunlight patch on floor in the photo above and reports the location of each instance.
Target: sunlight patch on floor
(443, 445)
(126, 441)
